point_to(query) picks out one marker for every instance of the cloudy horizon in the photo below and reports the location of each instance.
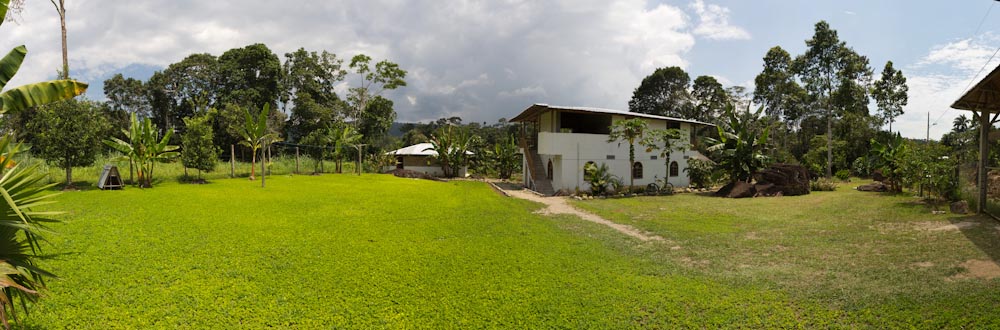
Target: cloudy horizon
(488, 60)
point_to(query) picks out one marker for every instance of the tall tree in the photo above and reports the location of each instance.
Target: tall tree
(890, 93)
(630, 131)
(664, 92)
(308, 84)
(127, 95)
(384, 76)
(376, 120)
(61, 9)
(776, 88)
(249, 76)
(819, 68)
(709, 99)
(69, 134)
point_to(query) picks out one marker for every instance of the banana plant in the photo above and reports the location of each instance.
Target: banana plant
(255, 134)
(22, 190)
(144, 149)
(742, 143)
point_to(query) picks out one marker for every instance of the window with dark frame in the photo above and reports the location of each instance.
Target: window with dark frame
(637, 170)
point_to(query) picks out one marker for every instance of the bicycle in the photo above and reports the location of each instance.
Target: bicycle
(659, 187)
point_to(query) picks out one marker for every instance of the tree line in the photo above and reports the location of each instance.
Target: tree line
(816, 103)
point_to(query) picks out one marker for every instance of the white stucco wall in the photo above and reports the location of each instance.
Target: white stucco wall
(570, 151)
(430, 170)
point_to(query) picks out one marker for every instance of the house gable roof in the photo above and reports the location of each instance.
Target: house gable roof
(535, 109)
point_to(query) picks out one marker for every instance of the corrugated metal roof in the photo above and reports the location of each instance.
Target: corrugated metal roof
(536, 108)
(419, 149)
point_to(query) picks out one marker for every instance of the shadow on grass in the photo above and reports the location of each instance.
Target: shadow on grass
(985, 235)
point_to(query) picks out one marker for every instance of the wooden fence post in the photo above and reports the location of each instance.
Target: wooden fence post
(232, 160)
(296, 160)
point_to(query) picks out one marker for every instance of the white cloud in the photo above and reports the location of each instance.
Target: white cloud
(461, 56)
(938, 79)
(713, 23)
(848, 12)
(967, 55)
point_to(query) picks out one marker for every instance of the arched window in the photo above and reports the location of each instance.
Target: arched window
(548, 171)
(637, 170)
(674, 169)
(587, 168)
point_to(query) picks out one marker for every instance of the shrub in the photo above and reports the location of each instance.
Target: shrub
(703, 174)
(823, 184)
(861, 167)
(843, 175)
(599, 178)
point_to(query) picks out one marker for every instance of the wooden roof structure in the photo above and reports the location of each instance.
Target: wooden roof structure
(983, 99)
(984, 96)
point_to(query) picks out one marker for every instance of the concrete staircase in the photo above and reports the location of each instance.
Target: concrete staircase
(541, 184)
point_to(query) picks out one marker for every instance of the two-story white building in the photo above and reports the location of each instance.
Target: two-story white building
(559, 141)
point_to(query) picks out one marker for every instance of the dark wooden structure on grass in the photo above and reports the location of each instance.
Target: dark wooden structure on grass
(110, 179)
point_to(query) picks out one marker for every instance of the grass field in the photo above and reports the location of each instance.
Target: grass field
(338, 251)
(857, 253)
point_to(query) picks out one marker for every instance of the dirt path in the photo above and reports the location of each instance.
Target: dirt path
(560, 205)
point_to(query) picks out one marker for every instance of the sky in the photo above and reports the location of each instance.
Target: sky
(486, 60)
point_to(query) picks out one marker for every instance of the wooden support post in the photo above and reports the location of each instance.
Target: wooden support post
(232, 160)
(984, 157)
(296, 160)
(263, 175)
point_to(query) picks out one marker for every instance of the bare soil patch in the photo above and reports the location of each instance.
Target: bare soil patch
(982, 269)
(560, 205)
(937, 226)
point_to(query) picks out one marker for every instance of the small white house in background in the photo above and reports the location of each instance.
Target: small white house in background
(419, 158)
(558, 141)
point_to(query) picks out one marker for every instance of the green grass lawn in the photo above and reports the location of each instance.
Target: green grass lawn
(337, 251)
(861, 254)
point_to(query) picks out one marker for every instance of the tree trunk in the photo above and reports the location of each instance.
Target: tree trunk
(253, 164)
(829, 140)
(69, 176)
(631, 163)
(232, 161)
(61, 8)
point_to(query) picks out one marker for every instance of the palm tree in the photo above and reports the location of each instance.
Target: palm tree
(22, 188)
(629, 130)
(961, 124)
(664, 140)
(255, 134)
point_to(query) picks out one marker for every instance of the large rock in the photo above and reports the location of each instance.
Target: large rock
(960, 207)
(738, 189)
(877, 176)
(874, 186)
(787, 179)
